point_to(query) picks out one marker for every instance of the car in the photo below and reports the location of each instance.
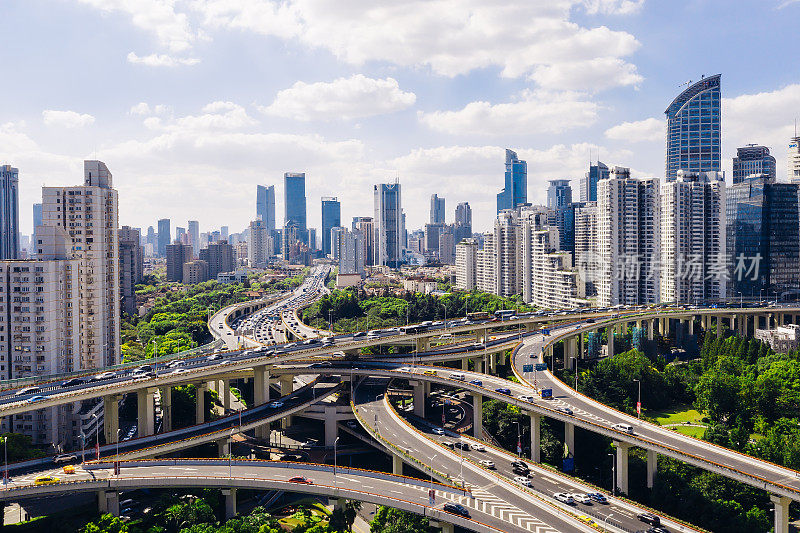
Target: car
(565, 410)
(563, 497)
(586, 520)
(476, 382)
(73, 382)
(292, 457)
(456, 508)
(143, 369)
(526, 398)
(649, 518)
(214, 357)
(429, 372)
(503, 390)
(27, 390)
(277, 404)
(487, 463)
(522, 480)
(37, 398)
(520, 467)
(338, 355)
(582, 498)
(625, 428)
(404, 369)
(358, 334)
(65, 458)
(301, 479)
(448, 444)
(461, 446)
(178, 371)
(599, 498)
(68, 469)
(458, 376)
(438, 431)
(478, 447)
(46, 480)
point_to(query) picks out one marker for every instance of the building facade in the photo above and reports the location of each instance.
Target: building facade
(9, 212)
(462, 229)
(793, 160)
(693, 128)
(588, 185)
(265, 205)
(177, 255)
(515, 191)
(194, 236)
(348, 249)
(164, 237)
(467, 264)
(331, 218)
(294, 201)
(259, 244)
(437, 209)
(195, 272)
(366, 225)
(752, 159)
(219, 257)
(37, 221)
(389, 227)
(131, 267)
(586, 258)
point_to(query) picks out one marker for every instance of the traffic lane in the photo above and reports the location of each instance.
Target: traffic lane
(446, 461)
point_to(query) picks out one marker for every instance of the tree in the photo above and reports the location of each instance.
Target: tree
(390, 520)
(106, 524)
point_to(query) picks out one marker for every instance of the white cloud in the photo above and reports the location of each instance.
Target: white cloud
(344, 98)
(161, 60)
(591, 75)
(143, 108)
(66, 119)
(613, 7)
(535, 112)
(650, 129)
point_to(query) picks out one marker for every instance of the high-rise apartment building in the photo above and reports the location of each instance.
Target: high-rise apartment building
(131, 267)
(447, 246)
(515, 191)
(500, 260)
(294, 198)
(389, 227)
(752, 159)
(220, 258)
(793, 160)
(177, 255)
(164, 236)
(586, 258)
(366, 225)
(195, 272)
(693, 128)
(467, 264)
(259, 244)
(347, 247)
(265, 206)
(559, 202)
(763, 242)
(331, 218)
(437, 209)
(37, 221)
(89, 215)
(693, 235)
(628, 239)
(588, 185)
(462, 229)
(194, 236)
(9, 212)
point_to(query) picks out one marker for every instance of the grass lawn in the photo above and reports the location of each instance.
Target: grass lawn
(678, 414)
(692, 431)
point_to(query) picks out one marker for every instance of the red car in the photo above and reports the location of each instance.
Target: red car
(300, 479)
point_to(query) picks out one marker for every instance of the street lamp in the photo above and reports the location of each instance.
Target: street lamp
(430, 466)
(5, 454)
(605, 520)
(97, 435)
(613, 474)
(741, 298)
(639, 400)
(335, 443)
(230, 456)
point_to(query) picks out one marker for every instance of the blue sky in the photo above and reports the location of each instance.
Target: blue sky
(191, 103)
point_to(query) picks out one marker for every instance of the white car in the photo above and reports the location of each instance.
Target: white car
(526, 398)
(581, 498)
(522, 480)
(563, 497)
(625, 428)
(487, 463)
(438, 431)
(478, 447)
(277, 404)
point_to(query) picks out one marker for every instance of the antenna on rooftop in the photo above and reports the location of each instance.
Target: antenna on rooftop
(687, 83)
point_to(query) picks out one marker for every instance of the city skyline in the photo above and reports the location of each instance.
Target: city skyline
(412, 115)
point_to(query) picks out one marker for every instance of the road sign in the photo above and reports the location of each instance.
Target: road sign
(527, 368)
(547, 393)
(568, 464)
(432, 496)
(541, 366)
(638, 408)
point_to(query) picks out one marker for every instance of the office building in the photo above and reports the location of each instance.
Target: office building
(588, 185)
(348, 249)
(194, 236)
(259, 244)
(515, 191)
(366, 225)
(462, 229)
(431, 242)
(265, 206)
(467, 264)
(586, 258)
(131, 267)
(294, 198)
(752, 159)
(164, 236)
(9, 212)
(693, 128)
(559, 194)
(312, 239)
(693, 234)
(793, 160)
(223, 233)
(177, 255)
(331, 218)
(447, 246)
(763, 242)
(437, 209)
(389, 227)
(559, 200)
(195, 272)
(220, 258)
(37, 221)
(180, 234)
(628, 239)
(152, 240)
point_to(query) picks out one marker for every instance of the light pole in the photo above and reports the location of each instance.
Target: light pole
(430, 465)
(5, 454)
(613, 474)
(576, 374)
(97, 435)
(230, 456)
(335, 443)
(639, 400)
(741, 300)
(605, 520)
(519, 441)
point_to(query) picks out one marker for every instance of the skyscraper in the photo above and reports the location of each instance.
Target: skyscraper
(347, 248)
(559, 200)
(693, 128)
(194, 236)
(294, 199)
(219, 257)
(164, 237)
(265, 205)
(331, 218)
(259, 244)
(389, 228)
(366, 225)
(437, 209)
(752, 159)
(462, 228)
(588, 185)
(177, 255)
(9, 212)
(515, 191)
(793, 160)
(466, 264)
(131, 267)
(37, 221)
(559, 194)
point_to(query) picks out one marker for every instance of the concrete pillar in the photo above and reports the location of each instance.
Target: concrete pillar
(102, 502)
(622, 466)
(652, 467)
(480, 335)
(492, 363)
(230, 503)
(477, 416)
(447, 527)
(108, 502)
(610, 343)
(581, 349)
(419, 398)
(223, 447)
(691, 326)
(465, 363)
(261, 396)
(719, 326)
(225, 393)
(781, 504)
(145, 401)
(111, 417)
(536, 437)
(331, 427)
(166, 408)
(200, 403)
(287, 384)
(650, 325)
(397, 465)
(569, 437)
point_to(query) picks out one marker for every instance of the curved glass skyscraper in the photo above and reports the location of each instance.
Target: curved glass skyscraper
(515, 192)
(693, 128)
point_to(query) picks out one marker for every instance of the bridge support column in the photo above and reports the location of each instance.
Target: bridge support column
(200, 403)
(492, 358)
(108, 502)
(622, 466)
(287, 387)
(480, 336)
(223, 447)
(477, 416)
(569, 437)
(261, 396)
(145, 402)
(423, 344)
(465, 363)
(536, 437)
(610, 341)
(419, 398)
(224, 391)
(397, 465)
(781, 504)
(166, 408)
(111, 417)
(230, 503)
(691, 325)
(742, 325)
(581, 348)
(447, 527)
(331, 427)
(652, 467)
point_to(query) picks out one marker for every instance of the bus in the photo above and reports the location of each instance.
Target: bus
(504, 314)
(478, 315)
